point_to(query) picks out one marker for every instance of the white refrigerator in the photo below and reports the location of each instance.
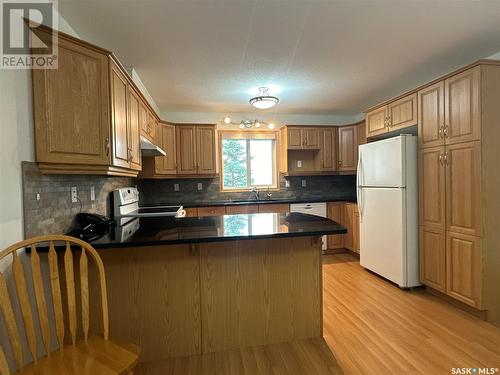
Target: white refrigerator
(387, 192)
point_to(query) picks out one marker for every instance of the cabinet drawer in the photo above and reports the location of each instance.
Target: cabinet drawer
(278, 208)
(244, 209)
(211, 211)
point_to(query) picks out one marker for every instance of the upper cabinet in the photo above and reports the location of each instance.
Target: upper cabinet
(348, 148)
(302, 138)
(88, 113)
(397, 115)
(329, 157)
(196, 152)
(162, 166)
(431, 115)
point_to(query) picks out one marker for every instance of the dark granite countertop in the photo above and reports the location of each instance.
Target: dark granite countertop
(238, 202)
(171, 230)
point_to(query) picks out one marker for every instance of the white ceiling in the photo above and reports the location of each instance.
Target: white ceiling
(327, 57)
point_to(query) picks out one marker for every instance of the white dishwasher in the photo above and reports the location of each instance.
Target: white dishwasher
(318, 209)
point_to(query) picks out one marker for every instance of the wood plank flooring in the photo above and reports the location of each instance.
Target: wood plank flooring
(310, 356)
(373, 327)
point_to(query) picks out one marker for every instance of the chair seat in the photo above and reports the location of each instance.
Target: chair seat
(96, 356)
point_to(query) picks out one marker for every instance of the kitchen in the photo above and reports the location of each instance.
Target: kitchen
(248, 237)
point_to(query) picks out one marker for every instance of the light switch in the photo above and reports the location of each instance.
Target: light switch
(304, 183)
(287, 183)
(176, 187)
(200, 186)
(37, 196)
(299, 163)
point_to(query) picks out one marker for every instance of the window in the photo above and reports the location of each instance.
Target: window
(248, 160)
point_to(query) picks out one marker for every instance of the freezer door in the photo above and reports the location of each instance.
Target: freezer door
(382, 163)
(383, 232)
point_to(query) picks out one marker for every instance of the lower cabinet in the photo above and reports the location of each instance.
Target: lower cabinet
(212, 211)
(463, 268)
(433, 258)
(242, 209)
(346, 214)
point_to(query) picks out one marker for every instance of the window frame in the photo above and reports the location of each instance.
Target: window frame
(248, 135)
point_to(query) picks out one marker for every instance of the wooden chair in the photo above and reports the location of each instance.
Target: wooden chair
(89, 355)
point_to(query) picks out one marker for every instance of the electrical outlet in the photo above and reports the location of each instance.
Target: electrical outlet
(37, 196)
(92, 193)
(74, 194)
(304, 184)
(176, 187)
(299, 163)
(287, 183)
(200, 186)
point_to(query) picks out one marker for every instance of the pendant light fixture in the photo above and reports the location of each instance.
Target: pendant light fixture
(263, 100)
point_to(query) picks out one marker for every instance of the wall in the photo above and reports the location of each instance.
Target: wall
(317, 187)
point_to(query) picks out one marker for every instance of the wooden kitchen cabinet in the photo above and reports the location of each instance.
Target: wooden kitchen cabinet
(348, 148)
(463, 196)
(361, 133)
(356, 246)
(195, 149)
(134, 129)
(402, 113)
(212, 211)
(432, 189)
(328, 137)
(274, 208)
(334, 212)
(347, 221)
(191, 212)
(376, 122)
(462, 107)
(431, 116)
(88, 112)
(463, 268)
(162, 166)
(432, 243)
(301, 138)
(242, 209)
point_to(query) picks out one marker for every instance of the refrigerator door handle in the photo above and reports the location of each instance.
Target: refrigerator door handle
(359, 189)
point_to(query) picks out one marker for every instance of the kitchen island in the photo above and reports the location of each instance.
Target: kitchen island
(186, 286)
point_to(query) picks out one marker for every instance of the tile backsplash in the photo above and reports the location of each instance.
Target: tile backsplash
(317, 187)
(54, 211)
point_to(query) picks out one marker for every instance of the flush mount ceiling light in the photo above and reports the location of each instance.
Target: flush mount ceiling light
(263, 100)
(247, 124)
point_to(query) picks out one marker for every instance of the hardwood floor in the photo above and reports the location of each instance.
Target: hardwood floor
(373, 327)
(300, 357)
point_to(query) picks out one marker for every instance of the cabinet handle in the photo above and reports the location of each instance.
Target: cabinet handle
(106, 146)
(445, 131)
(441, 158)
(446, 159)
(441, 131)
(340, 162)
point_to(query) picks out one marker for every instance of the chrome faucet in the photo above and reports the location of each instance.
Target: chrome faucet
(255, 192)
(269, 195)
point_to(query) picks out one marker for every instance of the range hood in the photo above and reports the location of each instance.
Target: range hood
(149, 149)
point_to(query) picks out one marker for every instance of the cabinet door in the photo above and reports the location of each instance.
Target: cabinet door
(431, 116)
(166, 164)
(72, 128)
(242, 209)
(463, 174)
(361, 133)
(348, 148)
(329, 149)
(335, 210)
(274, 208)
(119, 90)
(376, 122)
(144, 120)
(134, 130)
(432, 189)
(186, 149)
(310, 139)
(462, 108)
(153, 126)
(205, 149)
(294, 138)
(402, 113)
(432, 250)
(463, 268)
(212, 211)
(347, 220)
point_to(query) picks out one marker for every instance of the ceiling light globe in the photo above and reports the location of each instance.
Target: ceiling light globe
(227, 120)
(257, 124)
(270, 126)
(242, 126)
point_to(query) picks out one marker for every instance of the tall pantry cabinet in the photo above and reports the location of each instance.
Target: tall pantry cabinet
(459, 153)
